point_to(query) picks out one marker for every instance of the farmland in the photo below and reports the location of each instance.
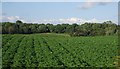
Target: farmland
(58, 50)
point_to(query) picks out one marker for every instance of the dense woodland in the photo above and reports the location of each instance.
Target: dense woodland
(86, 29)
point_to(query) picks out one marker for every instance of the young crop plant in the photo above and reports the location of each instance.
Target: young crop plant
(52, 50)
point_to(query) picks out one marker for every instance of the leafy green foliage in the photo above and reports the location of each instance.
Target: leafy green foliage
(57, 50)
(86, 29)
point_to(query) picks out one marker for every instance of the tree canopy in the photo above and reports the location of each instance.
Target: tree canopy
(86, 29)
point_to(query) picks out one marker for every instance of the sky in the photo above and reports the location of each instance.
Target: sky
(60, 12)
(59, 0)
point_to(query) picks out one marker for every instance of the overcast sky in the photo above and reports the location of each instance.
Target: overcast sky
(60, 12)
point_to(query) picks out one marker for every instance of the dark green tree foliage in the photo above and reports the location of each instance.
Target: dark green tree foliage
(86, 29)
(0, 28)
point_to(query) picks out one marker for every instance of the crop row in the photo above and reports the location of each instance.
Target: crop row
(9, 50)
(49, 51)
(44, 54)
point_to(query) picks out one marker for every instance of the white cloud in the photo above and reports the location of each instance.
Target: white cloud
(53, 21)
(9, 18)
(14, 19)
(94, 20)
(71, 21)
(91, 3)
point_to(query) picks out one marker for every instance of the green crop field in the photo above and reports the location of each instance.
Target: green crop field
(58, 50)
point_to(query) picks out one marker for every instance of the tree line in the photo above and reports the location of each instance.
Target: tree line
(86, 29)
